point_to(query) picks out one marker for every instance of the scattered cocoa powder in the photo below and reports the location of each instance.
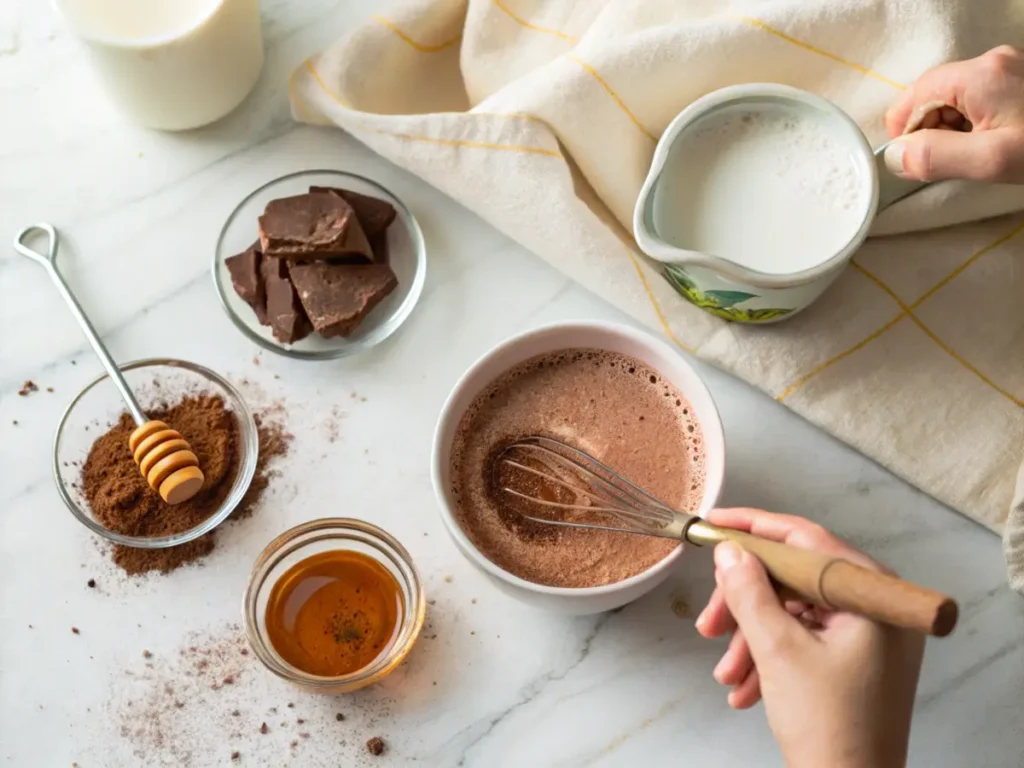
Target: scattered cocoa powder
(123, 502)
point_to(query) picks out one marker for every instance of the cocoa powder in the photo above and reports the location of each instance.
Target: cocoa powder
(123, 502)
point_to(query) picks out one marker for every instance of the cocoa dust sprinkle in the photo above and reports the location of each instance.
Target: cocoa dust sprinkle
(123, 502)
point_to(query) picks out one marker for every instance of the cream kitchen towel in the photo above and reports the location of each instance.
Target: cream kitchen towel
(542, 117)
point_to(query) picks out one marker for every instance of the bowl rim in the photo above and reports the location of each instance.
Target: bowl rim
(292, 540)
(401, 313)
(247, 470)
(710, 428)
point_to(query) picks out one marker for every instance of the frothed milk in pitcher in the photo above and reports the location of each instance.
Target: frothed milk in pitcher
(770, 189)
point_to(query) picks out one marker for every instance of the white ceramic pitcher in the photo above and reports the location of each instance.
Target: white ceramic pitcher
(736, 292)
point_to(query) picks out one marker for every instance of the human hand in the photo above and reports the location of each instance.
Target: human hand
(984, 96)
(838, 689)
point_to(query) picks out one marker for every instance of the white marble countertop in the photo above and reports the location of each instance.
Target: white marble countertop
(501, 684)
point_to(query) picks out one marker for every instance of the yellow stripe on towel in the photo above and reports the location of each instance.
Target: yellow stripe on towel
(527, 25)
(814, 49)
(611, 92)
(421, 47)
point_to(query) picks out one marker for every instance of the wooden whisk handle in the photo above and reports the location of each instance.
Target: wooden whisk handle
(167, 462)
(833, 582)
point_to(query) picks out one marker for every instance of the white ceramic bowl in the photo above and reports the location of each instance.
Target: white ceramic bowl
(594, 335)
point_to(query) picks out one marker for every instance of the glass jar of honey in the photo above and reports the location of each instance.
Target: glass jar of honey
(333, 605)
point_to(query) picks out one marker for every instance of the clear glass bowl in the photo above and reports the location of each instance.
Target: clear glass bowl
(99, 405)
(407, 257)
(324, 535)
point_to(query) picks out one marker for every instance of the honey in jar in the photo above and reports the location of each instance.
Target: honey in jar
(334, 613)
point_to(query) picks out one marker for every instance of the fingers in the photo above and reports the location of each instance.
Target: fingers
(736, 663)
(747, 693)
(765, 624)
(790, 529)
(934, 155)
(715, 620)
(945, 84)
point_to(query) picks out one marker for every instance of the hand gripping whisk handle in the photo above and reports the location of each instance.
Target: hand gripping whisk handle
(163, 455)
(833, 582)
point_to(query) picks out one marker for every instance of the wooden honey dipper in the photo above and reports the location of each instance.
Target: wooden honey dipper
(164, 457)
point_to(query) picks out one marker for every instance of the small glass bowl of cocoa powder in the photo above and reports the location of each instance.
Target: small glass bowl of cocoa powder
(96, 475)
(335, 535)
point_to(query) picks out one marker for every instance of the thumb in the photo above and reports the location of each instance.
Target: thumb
(935, 155)
(752, 601)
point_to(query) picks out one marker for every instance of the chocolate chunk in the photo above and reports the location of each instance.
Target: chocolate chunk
(379, 246)
(356, 248)
(247, 279)
(375, 215)
(305, 226)
(284, 312)
(376, 746)
(337, 297)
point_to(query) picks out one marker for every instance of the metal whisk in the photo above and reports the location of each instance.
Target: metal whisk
(550, 482)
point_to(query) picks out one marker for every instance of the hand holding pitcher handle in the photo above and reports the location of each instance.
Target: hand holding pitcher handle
(970, 120)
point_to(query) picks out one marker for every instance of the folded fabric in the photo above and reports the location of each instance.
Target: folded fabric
(542, 116)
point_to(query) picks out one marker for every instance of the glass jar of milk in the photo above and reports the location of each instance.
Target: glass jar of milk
(171, 64)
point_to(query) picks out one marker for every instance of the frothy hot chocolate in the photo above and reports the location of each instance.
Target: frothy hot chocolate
(611, 406)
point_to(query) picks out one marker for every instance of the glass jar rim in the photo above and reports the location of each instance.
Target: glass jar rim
(247, 469)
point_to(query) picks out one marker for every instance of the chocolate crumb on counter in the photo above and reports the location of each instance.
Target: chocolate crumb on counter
(76, 631)
(147, 655)
(91, 583)
(235, 713)
(235, 755)
(339, 717)
(49, 389)
(27, 388)
(264, 729)
(375, 746)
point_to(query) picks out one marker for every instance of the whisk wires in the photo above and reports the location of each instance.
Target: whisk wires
(548, 481)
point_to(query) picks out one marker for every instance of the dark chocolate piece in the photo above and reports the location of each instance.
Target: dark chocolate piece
(374, 214)
(356, 248)
(247, 279)
(379, 246)
(337, 297)
(285, 315)
(314, 225)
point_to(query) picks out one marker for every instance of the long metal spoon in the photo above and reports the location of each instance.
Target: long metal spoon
(164, 457)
